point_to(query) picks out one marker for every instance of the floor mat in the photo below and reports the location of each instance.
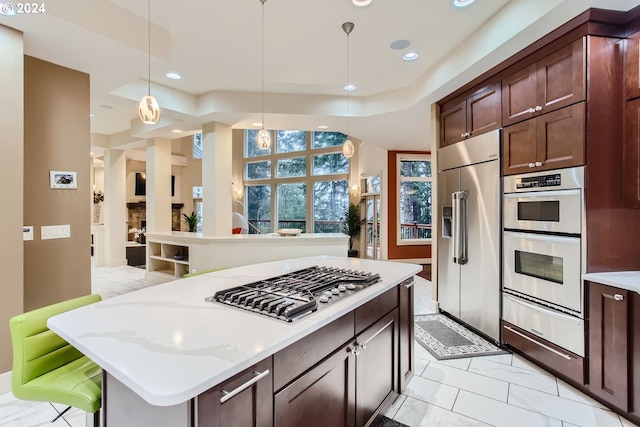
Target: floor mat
(445, 338)
(388, 422)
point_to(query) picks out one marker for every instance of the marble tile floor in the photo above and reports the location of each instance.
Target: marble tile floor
(503, 391)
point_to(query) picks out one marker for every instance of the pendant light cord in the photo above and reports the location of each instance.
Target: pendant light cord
(348, 92)
(149, 46)
(262, 64)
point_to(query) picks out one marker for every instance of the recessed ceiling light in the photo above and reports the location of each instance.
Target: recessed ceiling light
(256, 124)
(350, 87)
(173, 75)
(176, 131)
(462, 3)
(7, 9)
(106, 106)
(361, 3)
(323, 127)
(92, 115)
(410, 56)
(399, 44)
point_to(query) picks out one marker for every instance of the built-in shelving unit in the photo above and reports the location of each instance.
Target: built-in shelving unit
(168, 258)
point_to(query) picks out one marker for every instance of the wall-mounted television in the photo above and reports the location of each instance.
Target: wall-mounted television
(141, 184)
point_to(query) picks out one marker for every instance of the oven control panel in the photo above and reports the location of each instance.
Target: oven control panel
(539, 181)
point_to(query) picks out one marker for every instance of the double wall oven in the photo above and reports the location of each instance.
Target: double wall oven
(543, 255)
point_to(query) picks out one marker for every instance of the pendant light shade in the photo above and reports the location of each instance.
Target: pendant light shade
(348, 149)
(148, 109)
(263, 139)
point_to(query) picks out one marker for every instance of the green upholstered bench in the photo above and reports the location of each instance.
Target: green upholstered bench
(46, 368)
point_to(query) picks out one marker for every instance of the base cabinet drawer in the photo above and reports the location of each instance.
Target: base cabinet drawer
(548, 354)
(245, 400)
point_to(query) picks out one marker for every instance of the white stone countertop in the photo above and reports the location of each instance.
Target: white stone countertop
(167, 344)
(186, 237)
(629, 280)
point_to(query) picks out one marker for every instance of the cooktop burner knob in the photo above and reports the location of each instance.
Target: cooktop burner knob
(324, 299)
(335, 291)
(351, 286)
(342, 288)
(327, 294)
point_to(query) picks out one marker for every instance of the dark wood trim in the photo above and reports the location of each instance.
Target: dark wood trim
(395, 251)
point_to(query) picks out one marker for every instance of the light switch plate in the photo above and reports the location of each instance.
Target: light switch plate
(27, 232)
(55, 232)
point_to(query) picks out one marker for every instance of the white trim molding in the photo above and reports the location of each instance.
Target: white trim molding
(5, 382)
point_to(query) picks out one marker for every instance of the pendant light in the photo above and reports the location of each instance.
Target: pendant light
(148, 109)
(348, 148)
(264, 137)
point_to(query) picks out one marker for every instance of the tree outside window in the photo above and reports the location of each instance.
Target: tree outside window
(414, 198)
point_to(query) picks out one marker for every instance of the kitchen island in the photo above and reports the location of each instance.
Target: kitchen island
(171, 358)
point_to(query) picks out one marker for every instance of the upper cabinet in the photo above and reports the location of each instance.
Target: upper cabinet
(477, 114)
(555, 81)
(551, 141)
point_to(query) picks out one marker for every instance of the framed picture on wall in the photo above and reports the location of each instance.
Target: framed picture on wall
(63, 179)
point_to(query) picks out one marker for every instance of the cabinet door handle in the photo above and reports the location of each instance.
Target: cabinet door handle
(408, 285)
(363, 346)
(538, 164)
(532, 165)
(618, 297)
(538, 108)
(229, 394)
(531, 110)
(355, 350)
(462, 135)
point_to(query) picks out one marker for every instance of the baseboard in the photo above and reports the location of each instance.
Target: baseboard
(5, 382)
(434, 306)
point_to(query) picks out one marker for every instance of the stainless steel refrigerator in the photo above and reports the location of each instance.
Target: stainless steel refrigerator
(469, 238)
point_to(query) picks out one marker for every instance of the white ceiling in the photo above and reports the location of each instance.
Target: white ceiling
(216, 46)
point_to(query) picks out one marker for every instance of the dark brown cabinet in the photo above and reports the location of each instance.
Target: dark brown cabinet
(552, 83)
(551, 141)
(244, 400)
(377, 352)
(632, 66)
(325, 393)
(346, 373)
(475, 115)
(406, 351)
(608, 318)
(631, 154)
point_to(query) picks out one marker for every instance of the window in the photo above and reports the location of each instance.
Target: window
(307, 175)
(414, 198)
(197, 146)
(197, 205)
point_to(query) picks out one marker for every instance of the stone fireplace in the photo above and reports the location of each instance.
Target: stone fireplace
(137, 214)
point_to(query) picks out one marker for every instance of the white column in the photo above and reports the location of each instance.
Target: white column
(158, 185)
(115, 208)
(217, 195)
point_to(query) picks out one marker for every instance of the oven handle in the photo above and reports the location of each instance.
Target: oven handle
(536, 194)
(459, 201)
(542, 237)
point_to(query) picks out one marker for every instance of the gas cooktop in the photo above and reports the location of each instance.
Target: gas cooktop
(296, 294)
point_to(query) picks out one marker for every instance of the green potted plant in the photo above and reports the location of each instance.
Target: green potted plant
(191, 221)
(351, 225)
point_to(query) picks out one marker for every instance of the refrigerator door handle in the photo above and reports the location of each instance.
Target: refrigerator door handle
(459, 199)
